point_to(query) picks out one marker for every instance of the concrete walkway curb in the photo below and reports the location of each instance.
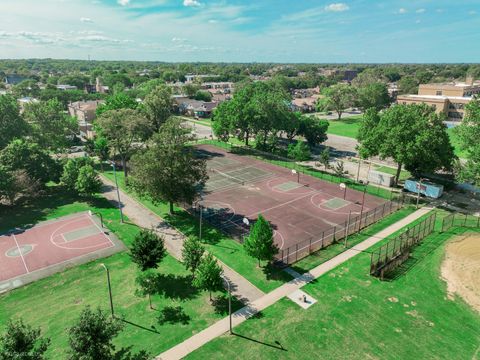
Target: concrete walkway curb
(219, 328)
(242, 289)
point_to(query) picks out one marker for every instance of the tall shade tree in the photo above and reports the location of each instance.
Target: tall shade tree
(12, 124)
(92, 335)
(123, 129)
(22, 342)
(260, 244)
(338, 98)
(414, 136)
(469, 136)
(313, 130)
(158, 106)
(192, 253)
(117, 101)
(52, 128)
(87, 183)
(147, 250)
(168, 170)
(26, 155)
(208, 275)
(374, 95)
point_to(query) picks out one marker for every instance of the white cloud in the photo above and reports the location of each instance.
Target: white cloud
(192, 3)
(123, 2)
(420, 11)
(337, 7)
(472, 12)
(178, 40)
(418, 22)
(402, 11)
(86, 20)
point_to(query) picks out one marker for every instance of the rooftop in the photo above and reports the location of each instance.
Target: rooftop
(436, 97)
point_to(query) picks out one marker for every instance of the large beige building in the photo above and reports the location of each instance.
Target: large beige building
(447, 98)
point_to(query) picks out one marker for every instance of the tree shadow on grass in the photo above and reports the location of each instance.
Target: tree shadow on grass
(274, 273)
(174, 287)
(152, 329)
(125, 353)
(173, 315)
(220, 304)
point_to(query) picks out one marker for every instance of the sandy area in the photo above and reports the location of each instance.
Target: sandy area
(461, 268)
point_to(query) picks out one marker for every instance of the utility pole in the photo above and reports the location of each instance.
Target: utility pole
(118, 191)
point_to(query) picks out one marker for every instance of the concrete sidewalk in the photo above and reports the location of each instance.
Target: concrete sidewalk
(183, 349)
(242, 289)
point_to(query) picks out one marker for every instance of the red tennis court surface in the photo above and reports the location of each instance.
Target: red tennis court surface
(300, 208)
(27, 255)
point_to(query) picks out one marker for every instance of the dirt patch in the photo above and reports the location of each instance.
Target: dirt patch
(461, 268)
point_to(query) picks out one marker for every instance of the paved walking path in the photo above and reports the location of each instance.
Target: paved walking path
(219, 328)
(140, 215)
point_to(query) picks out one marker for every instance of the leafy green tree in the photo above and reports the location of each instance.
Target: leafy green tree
(168, 170)
(147, 285)
(123, 129)
(469, 135)
(260, 244)
(117, 101)
(22, 342)
(26, 155)
(91, 337)
(324, 158)
(208, 275)
(192, 253)
(71, 170)
(407, 85)
(147, 250)
(25, 88)
(12, 125)
(52, 128)
(339, 168)
(299, 151)
(15, 184)
(203, 96)
(101, 149)
(367, 135)
(373, 95)
(158, 106)
(313, 130)
(414, 136)
(338, 98)
(87, 182)
(190, 90)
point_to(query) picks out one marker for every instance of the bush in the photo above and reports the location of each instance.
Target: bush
(299, 151)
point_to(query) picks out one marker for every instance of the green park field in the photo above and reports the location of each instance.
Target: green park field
(55, 302)
(360, 317)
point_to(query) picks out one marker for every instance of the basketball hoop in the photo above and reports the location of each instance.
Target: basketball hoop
(246, 221)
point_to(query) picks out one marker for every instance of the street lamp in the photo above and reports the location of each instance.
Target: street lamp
(419, 188)
(109, 288)
(229, 303)
(118, 191)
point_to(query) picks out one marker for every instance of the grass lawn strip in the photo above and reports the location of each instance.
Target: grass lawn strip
(358, 316)
(54, 303)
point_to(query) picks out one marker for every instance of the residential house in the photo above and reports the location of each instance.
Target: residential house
(85, 112)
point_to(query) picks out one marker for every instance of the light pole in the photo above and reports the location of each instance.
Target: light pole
(229, 303)
(118, 191)
(419, 187)
(109, 288)
(201, 215)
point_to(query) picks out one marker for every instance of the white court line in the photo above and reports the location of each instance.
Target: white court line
(21, 255)
(101, 231)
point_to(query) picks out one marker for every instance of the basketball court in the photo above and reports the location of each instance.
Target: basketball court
(30, 254)
(299, 207)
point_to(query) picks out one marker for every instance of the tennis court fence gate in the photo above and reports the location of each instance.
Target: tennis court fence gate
(396, 251)
(338, 233)
(462, 220)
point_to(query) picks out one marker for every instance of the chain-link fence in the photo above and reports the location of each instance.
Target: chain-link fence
(462, 220)
(396, 251)
(337, 233)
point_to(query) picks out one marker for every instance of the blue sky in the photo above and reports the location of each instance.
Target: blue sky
(243, 31)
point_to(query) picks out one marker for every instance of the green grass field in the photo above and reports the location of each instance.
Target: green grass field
(223, 247)
(345, 127)
(55, 302)
(404, 174)
(360, 317)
